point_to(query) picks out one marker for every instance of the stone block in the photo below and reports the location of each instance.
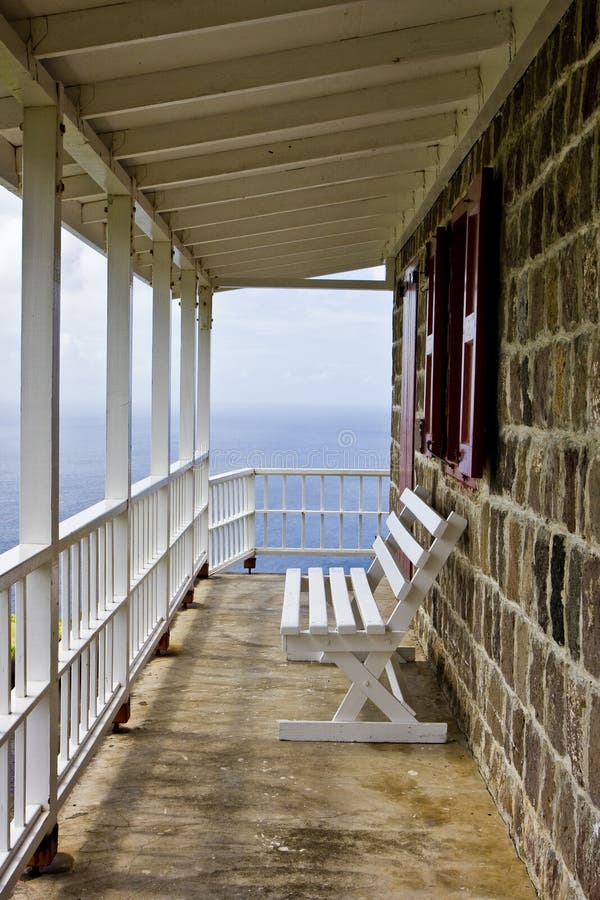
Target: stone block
(588, 849)
(555, 702)
(551, 293)
(533, 763)
(521, 664)
(541, 558)
(573, 601)
(557, 578)
(592, 499)
(593, 773)
(568, 192)
(588, 253)
(537, 677)
(580, 364)
(507, 644)
(591, 86)
(565, 834)
(576, 710)
(590, 614)
(570, 476)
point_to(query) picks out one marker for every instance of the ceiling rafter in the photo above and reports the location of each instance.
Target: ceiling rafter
(140, 21)
(427, 130)
(311, 63)
(299, 118)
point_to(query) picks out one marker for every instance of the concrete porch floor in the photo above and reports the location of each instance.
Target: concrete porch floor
(196, 797)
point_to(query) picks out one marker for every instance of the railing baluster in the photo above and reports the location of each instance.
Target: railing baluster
(4, 799)
(64, 753)
(322, 532)
(303, 514)
(341, 512)
(75, 592)
(360, 510)
(75, 690)
(20, 770)
(5, 656)
(20, 638)
(284, 508)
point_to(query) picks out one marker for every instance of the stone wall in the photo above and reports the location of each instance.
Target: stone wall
(514, 628)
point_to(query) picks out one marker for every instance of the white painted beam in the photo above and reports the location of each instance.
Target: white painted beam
(326, 266)
(161, 359)
(396, 162)
(118, 347)
(364, 250)
(398, 186)
(314, 284)
(140, 21)
(384, 209)
(301, 118)
(281, 156)
(317, 234)
(276, 251)
(203, 371)
(187, 371)
(395, 49)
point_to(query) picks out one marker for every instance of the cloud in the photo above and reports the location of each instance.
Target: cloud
(273, 347)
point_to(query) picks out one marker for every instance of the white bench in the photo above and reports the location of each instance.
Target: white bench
(342, 624)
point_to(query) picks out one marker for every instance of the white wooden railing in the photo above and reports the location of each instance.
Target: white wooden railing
(108, 628)
(317, 512)
(107, 631)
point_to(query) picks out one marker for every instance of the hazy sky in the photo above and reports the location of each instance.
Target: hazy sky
(274, 347)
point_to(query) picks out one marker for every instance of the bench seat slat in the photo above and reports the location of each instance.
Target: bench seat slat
(369, 612)
(389, 565)
(427, 516)
(406, 542)
(344, 616)
(317, 602)
(290, 617)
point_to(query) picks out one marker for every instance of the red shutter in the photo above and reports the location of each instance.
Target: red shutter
(435, 343)
(455, 331)
(406, 463)
(476, 302)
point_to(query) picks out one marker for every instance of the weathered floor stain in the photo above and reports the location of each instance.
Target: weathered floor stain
(196, 797)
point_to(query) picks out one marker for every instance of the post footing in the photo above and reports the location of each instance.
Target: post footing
(188, 600)
(45, 853)
(163, 644)
(123, 715)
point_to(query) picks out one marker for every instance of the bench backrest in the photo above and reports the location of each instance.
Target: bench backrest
(427, 561)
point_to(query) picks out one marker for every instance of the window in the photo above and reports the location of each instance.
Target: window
(458, 305)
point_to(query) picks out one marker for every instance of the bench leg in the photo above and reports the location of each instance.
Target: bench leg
(403, 726)
(364, 732)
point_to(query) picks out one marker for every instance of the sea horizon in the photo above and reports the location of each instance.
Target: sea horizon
(257, 436)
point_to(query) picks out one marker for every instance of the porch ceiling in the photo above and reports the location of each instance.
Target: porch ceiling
(274, 138)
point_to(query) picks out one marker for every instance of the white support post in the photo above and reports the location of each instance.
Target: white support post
(203, 392)
(187, 403)
(188, 365)
(202, 441)
(161, 406)
(40, 366)
(161, 358)
(118, 374)
(118, 412)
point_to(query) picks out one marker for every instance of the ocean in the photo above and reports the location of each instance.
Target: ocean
(252, 436)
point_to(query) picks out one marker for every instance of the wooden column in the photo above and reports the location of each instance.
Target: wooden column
(187, 387)
(118, 417)
(40, 366)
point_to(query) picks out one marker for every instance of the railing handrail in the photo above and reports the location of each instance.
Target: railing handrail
(368, 473)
